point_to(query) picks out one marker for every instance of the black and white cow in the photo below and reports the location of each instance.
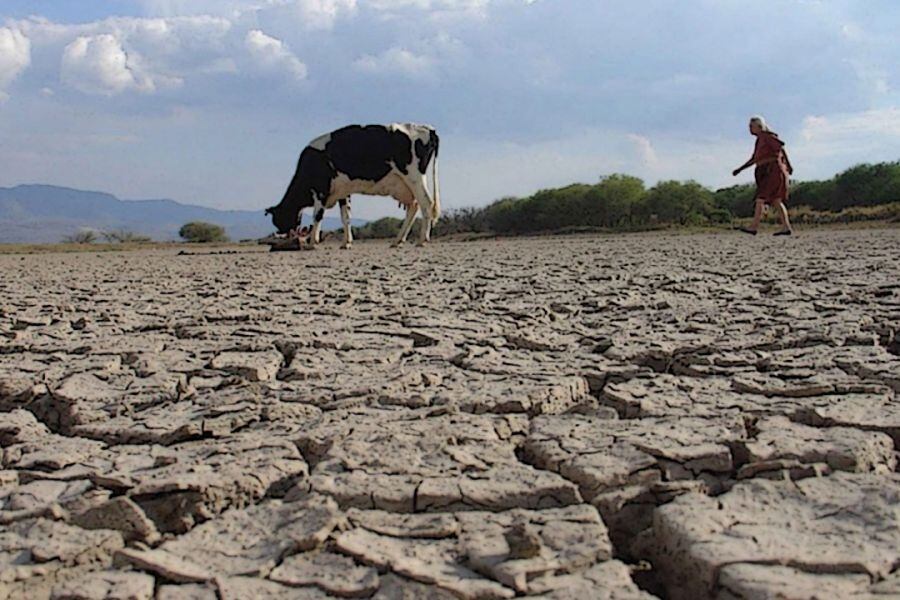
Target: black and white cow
(381, 160)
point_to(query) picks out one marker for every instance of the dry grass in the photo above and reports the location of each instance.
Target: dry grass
(889, 213)
(884, 216)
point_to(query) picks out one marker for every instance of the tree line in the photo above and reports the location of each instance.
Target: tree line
(623, 202)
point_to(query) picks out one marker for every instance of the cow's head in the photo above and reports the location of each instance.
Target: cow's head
(284, 217)
(299, 195)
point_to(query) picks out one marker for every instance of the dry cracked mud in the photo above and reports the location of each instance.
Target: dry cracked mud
(673, 416)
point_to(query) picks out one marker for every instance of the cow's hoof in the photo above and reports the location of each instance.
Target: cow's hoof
(346, 246)
(396, 244)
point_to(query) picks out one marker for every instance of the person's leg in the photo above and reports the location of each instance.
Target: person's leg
(783, 218)
(757, 216)
(757, 213)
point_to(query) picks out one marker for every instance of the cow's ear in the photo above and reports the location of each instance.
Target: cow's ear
(268, 211)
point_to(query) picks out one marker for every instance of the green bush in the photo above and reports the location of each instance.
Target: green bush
(200, 232)
(382, 228)
(682, 203)
(621, 203)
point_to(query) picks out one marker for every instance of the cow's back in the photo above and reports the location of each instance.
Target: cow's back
(385, 160)
(369, 152)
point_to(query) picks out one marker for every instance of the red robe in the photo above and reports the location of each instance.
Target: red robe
(772, 177)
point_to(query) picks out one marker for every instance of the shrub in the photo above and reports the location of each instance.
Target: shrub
(200, 232)
(84, 236)
(123, 236)
(386, 227)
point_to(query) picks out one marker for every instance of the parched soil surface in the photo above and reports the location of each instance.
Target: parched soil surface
(689, 417)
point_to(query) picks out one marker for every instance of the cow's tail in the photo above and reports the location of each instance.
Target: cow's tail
(435, 182)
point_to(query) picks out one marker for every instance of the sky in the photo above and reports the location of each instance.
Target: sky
(211, 101)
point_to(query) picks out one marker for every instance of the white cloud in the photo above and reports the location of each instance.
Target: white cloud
(851, 132)
(310, 14)
(429, 4)
(396, 60)
(322, 14)
(15, 56)
(224, 8)
(193, 38)
(313, 13)
(645, 149)
(437, 11)
(99, 65)
(121, 54)
(271, 54)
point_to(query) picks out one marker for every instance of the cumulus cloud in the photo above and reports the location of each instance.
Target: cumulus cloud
(130, 54)
(396, 60)
(99, 65)
(428, 4)
(120, 54)
(15, 56)
(271, 54)
(439, 11)
(170, 33)
(645, 150)
(189, 40)
(322, 14)
(181, 40)
(310, 14)
(855, 132)
(225, 8)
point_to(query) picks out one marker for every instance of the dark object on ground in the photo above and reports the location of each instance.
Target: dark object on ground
(784, 232)
(185, 253)
(287, 245)
(746, 230)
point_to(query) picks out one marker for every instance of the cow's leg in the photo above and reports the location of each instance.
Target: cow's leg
(426, 209)
(345, 219)
(407, 224)
(318, 214)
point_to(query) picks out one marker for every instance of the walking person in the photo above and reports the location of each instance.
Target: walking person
(773, 169)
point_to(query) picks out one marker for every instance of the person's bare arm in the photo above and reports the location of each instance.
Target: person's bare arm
(753, 161)
(787, 162)
(742, 167)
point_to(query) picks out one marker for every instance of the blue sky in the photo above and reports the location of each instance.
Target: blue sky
(210, 101)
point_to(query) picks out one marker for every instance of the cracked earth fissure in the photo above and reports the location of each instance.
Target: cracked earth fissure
(560, 418)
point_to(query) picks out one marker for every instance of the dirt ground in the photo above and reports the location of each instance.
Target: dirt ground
(683, 416)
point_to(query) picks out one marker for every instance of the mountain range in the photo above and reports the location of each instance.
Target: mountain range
(47, 214)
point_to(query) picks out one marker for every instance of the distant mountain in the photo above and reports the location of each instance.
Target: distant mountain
(45, 213)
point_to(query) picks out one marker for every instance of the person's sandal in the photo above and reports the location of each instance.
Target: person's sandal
(746, 230)
(784, 232)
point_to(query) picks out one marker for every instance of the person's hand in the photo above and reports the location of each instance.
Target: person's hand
(735, 172)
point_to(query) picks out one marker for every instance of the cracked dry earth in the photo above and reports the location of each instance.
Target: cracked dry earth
(621, 417)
